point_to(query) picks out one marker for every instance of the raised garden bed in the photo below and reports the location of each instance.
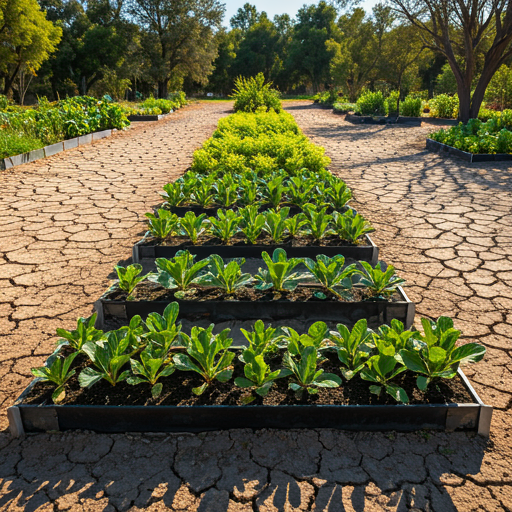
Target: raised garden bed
(149, 247)
(377, 312)
(145, 118)
(444, 149)
(355, 119)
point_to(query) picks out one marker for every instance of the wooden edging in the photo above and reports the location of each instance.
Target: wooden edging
(444, 149)
(53, 149)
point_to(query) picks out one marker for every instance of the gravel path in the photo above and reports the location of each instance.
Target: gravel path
(444, 224)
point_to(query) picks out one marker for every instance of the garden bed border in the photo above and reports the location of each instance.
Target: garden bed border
(445, 149)
(411, 121)
(149, 117)
(172, 418)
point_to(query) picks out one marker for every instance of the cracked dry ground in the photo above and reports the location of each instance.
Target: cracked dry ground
(444, 224)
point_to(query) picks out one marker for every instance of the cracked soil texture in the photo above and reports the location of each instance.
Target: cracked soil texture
(444, 224)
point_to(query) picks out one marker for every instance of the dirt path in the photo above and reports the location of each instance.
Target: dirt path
(445, 225)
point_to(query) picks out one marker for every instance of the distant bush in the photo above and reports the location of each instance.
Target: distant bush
(344, 107)
(371, 103)
(328, 97)
(12, 143)
(252, 94)
(410, 107)
(444, 106)
(391, 103)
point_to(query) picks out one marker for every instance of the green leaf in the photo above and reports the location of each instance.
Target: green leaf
(244, 383)
(422, 382)
(156, 390)
(88, 377)
(200, 390)
(376, 390)
(397, 393)
(225, 375)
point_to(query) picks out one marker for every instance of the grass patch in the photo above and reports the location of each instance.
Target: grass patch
(11, 143)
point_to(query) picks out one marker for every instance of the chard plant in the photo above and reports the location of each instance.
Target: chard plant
(397, 337)
(258, 375)
(162, 329)
(295, 224)
(273, 191)
(225, 225)
(252, 223)
(275, 224)
(380, 283)
(176, 193)
(207, 355)
(179, 272)
(331, 273)
(109, 356)
(318, 221)
(193, 226)
(57, 370)
(350, 226)
(154, 363)
(316, 337)
(299, 190)
(354, 346)
(227, 277)
(226, 192)
(279, 273)
(261, 341)
(306, 376)
(84, 332)
(203, 193)
(338, 195)
(134, 332)
(380, 369)
(249, 194)
(163, 225)
(438, 356)
(129, 277)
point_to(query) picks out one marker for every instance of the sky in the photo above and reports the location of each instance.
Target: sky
(273, 7)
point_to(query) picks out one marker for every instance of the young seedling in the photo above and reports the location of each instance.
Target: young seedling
(305, 373)
(57, 370)
(338, 195)
(354, 347)
(299, 190)
(316, 337)
(178, 272)
(83, 333)
(225, 225)
(331, 273)
(261, 341)
(163, 225)
(193, 226)
(294, 224)
(208, 355)
(252, 223)
(226, 192)
(438, 357)
(248, 192)
(203, 193)
(350, 226)
(381, 369)
(129, 277)
(275, 224)
(279, 272)
(162, 329)
(273, 191)
(380, 283)
(318, 221)
(227, 277)
(176, 193)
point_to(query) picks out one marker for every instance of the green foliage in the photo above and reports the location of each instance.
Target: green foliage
(338, 195)
(380, 283)
(226, 191)
(299, 190)
(350, 225)
(354, 347)
(279, 273)
(252, 223)
(203, 192)
(179, 272)
(444, 106)
(436, 354)
(275, 224)
(13, 143)
(252, 94)
(129, 277)
(177, 193)
(331, 273)
(391, 103)
(344, 107)
(294, 224)
(193, 226)
(225, 225)
(261, 340)
(317, 221)
(162, 329)
(273, 190)
(163, 224)
(315, 337)
(410, 107)
(84, 332)
(371, 104)
(228, 277)
(380, 369)
(56, 370)
(499, 90)
(208, 356)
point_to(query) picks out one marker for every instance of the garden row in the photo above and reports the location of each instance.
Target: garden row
(284, 374)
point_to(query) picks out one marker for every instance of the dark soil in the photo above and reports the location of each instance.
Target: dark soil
(148, 291)
(177, 390)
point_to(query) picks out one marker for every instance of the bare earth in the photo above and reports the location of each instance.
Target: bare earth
(444, 224)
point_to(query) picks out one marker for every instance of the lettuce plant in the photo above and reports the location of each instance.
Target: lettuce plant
(83, 333)
(193, 226)
(163, 225)
(57, 370)
(294, 224)
(354, 347)
(226, 192)
(225, 225)
(381, 369)
(178, 272)
(395, 336)
(331, 274)
(248, 194)
(162, 329)
(129, 277)
(315, 337)
(273, 191)
(437, 355)
(338, 195)
(318, 221)
(261, 340)
(279, 272)
(350, 226)
(252, 223)
(275, 224)
(207, 355)
(380, 283)
(227, 277)
(176, 193)
(203, 192)
(299, 190)
(306, 376)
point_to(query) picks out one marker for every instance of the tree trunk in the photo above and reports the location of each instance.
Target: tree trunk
(162, 88)
(464, 92)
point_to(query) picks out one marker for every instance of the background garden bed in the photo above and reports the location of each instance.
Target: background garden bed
(444, 149)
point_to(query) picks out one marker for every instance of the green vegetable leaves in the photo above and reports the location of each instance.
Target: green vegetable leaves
(279, 273)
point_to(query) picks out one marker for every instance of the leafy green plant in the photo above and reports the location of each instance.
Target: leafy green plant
(261, 340)
(338, 195)
(227, 277)
(176, 193)
(331, 273)
(252, 93)
(299, 190)
(178, 272)
(379, 282)
(350, 225)
(438, 357)
(208, 355)
(275, 224)
(57, 370)
(410, 107)
(163, 225)
(395, 336)
(203, 193)
(306, 376)
(129, 277)
(109, 356)
(252, 223)
(318, 221)
(273, 191)
(193, 226)
(225, 225)
(371, 104)
(84, 332)
(294, 224)
(258, 375)
(279, 272)
(315, 337)
(162, 329)
(226, 192)
(381, 369)
(248, 194)
(354, 346)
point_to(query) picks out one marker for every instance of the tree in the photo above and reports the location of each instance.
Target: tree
(460, 30)
(179, 37)
(27, 39)
(222, 78)
(245, 17)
